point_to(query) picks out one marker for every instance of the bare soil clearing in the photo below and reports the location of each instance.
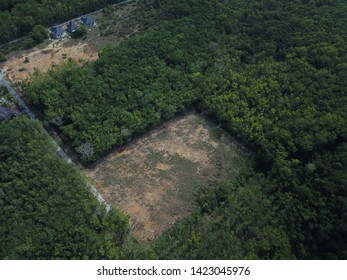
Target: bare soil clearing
(116, 25)
(154, 180)
(20, 67)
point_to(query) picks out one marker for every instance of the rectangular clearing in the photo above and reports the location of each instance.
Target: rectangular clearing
(155, 178)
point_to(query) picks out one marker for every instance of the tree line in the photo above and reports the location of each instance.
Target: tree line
(47, 210)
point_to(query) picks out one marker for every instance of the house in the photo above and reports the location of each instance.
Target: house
(72, 26)
(57, 32)
(88, 22)
(6, 113)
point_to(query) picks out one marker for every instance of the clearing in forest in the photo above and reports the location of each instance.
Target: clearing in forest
(21, 66)
(112, 27)
(155, 178)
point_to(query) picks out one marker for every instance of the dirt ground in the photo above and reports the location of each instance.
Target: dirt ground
(154, 180)
(19, 67)
(115, 26)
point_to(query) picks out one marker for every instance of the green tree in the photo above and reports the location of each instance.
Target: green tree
(80, 31)
(236, 222)
(272, 73)
(2, 57)
(47, 210)
(39, 34)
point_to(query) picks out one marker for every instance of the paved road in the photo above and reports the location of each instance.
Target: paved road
(59, 150)
(17, 97)
(31, 115)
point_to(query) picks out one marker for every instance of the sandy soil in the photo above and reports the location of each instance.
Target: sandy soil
(20, 67)
(154, 180)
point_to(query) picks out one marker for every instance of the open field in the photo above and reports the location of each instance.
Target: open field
(112, 27)
(155, 178)
(19, 67)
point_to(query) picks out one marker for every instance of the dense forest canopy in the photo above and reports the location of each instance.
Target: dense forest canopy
(235, 222)
(19, 17)
(47, 210)
(272, 73)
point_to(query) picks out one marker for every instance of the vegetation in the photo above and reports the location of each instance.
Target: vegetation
(2, 57)
(39, 34)
(18, 18)
(7, 99)
(162, 171)
(236, 222)
(272, 73)
(80, 31)
(47, 210)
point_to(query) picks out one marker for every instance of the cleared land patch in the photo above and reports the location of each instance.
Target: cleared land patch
(19, 67)
(155, 178)
(112, 27)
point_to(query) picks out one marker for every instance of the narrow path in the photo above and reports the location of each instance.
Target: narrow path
(59, 150)
(14, 41)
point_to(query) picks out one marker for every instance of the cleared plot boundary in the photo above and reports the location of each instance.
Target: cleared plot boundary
(155, 178)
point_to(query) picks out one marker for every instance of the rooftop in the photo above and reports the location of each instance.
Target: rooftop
(88, 21)
(57, 31)
(71, 26)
